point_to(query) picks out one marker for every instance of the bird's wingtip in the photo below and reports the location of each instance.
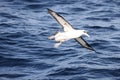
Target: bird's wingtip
(49, 10)
(92, 49)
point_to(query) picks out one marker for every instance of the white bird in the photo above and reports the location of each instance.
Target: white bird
(60, 37)
(69, 32)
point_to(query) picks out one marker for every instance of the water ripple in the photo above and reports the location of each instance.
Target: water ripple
(27, 54)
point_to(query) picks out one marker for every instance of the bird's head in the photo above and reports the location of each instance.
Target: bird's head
(84, 32)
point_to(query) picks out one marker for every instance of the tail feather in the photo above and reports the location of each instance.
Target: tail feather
(51, 37)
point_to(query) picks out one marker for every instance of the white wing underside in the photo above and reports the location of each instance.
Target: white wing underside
(67, 27)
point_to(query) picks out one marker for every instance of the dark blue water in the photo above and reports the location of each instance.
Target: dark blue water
(27, 54)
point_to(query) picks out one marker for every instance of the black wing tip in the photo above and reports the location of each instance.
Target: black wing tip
(49, 10)
(93, 50)
(90, 48)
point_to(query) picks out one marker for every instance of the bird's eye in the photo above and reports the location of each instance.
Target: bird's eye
(85, 32)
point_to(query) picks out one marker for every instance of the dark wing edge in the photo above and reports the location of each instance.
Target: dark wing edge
(64, 23)
(81, 41)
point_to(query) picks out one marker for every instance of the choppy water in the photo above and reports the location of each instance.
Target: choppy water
(27, 54)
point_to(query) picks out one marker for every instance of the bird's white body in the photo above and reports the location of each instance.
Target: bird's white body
(64, 36)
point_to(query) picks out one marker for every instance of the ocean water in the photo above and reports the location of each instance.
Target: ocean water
(27, 54)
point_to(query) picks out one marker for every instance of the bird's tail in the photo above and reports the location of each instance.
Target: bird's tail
(51, 37)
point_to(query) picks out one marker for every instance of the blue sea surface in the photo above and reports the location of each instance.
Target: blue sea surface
(27, 54)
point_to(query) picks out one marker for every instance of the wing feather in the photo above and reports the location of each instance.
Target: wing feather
(65, 25)
(81, 41)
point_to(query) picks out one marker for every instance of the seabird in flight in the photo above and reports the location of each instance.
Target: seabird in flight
(69, 32)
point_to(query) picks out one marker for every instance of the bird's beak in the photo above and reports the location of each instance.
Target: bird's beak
(87, 35)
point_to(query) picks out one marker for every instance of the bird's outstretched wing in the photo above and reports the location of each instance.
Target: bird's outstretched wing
(81, 41)
(67, 27)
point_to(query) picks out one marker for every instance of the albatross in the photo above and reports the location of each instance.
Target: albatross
(69, 32)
